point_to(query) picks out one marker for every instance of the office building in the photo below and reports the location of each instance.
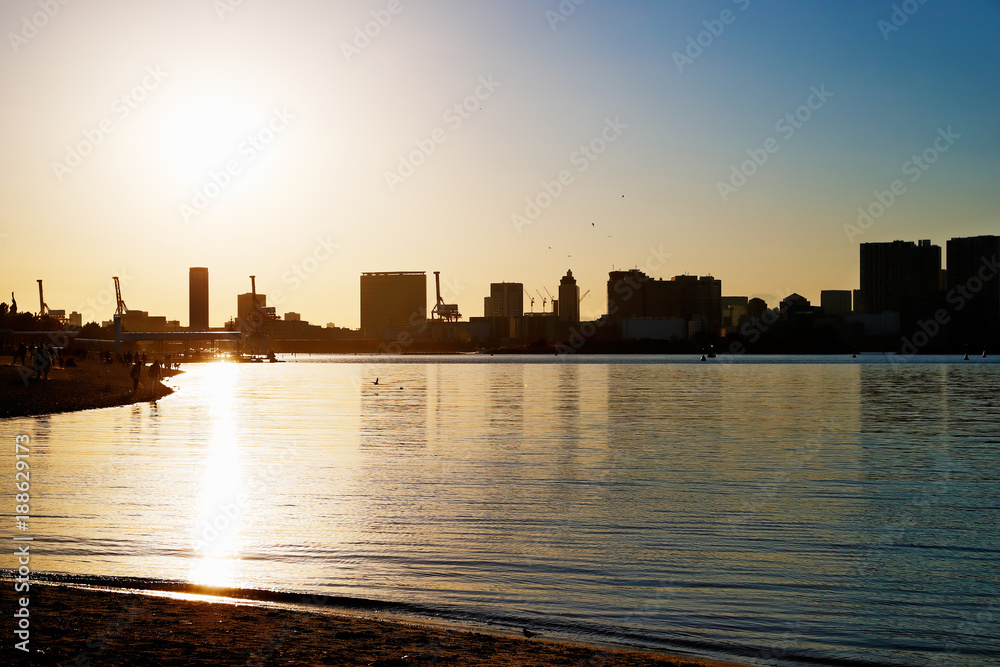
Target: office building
(973, 282)
(198, 298)
(733, 308)
(836, 302)
(505, 300)
(392, 301)
(900, 276)
(696, 300)
(569, 299)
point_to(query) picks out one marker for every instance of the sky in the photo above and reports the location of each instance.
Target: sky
(306, 142)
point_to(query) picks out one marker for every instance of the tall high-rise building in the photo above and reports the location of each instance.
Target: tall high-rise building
(973, 282)
(392, 301)
(902, 277)
(198, 298)
(505, 300)
(569, 299)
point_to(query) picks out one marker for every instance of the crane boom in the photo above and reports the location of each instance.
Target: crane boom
(531, 299)
(42, 308)
(544, 301)
(120, 307)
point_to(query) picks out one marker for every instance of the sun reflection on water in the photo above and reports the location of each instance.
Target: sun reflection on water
(218, 509)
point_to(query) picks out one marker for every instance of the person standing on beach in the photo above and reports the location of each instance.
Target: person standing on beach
(21, 354)
(134, 374)
(154, 378)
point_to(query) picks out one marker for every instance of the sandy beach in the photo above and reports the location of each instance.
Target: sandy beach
(79, 626)
(89, 385)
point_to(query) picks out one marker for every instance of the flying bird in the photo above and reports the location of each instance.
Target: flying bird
(376, 381)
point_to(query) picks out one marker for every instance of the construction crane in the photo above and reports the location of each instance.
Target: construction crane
(43, 308)
(552, 299)
(544, 300)
(530, 298)
(444, 311)
(584, 296)
(121, 308)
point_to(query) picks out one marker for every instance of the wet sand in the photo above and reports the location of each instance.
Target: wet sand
(98, 627)
(90, 385)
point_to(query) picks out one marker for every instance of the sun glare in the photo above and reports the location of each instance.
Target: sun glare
(205, 134)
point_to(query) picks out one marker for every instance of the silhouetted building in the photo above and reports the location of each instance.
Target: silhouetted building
(696, 300)
(505, 300)
(626, 297)
(974, 284)
(75, 319)
(569, 299)
(836, 301)
(244, 305)
(859, 303)
(756, 307)
(198, 298)
(901, 277)
(733, 308)
(292, 317)
(141, 320)
(392, 302)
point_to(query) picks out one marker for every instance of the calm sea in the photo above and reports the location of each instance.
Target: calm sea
(775, 510)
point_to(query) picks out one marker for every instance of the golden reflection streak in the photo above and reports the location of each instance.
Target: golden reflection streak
(217, 514)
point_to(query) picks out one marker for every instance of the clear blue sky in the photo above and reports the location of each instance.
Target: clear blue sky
(313, 121)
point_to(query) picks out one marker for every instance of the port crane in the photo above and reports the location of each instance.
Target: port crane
(544, 300)
(255, 333)
(120, 307)
(530, 298)
(443, 311)
(43, 307)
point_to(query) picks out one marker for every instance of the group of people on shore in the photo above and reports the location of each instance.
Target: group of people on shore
(40, 358)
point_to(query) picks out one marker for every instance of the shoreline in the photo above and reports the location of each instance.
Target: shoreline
(72, 622)
(87, 386)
